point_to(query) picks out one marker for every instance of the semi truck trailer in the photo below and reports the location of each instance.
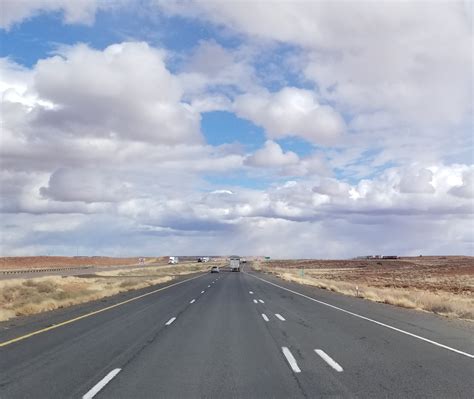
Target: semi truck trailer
(234, 264)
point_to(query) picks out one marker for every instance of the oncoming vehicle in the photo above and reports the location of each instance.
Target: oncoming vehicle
(173, 260)
(214, 269)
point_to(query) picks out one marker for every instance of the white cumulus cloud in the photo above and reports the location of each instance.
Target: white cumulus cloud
(105, 146)
(74, 11)
(272, 155)
(466, 189)
(124, 91)
(364, 55)
(291, 112)
(417, 182)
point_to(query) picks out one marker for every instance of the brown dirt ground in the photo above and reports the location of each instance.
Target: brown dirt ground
(453, 274)
(31, 262)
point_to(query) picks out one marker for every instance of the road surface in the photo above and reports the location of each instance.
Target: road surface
(235, 335)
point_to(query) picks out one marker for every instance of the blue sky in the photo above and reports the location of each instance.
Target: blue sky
(214, 126)
(222, 127)
(38, 37)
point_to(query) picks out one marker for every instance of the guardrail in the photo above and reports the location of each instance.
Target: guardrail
(49, 269)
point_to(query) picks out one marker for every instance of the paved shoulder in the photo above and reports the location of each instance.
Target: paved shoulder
(374, 350)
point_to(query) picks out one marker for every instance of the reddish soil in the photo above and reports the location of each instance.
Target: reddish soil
(31, 262)
(453, 274)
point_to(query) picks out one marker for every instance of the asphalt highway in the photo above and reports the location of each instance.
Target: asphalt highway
(236, 335)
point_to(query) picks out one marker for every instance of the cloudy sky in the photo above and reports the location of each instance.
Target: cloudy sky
(287, 129)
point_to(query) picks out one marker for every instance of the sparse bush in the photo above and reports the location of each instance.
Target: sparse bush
(447, 304)
(21, 297)
(127, 284)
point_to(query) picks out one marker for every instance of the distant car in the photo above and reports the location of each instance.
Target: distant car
(214, 269)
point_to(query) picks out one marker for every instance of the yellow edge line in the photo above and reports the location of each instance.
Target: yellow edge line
(22, 337)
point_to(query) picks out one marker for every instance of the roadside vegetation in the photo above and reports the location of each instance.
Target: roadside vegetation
(159, 271)
(21, 297)
(442, 285)
(38, 262)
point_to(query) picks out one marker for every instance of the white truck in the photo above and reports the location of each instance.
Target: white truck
(234, 264)
(173, 260)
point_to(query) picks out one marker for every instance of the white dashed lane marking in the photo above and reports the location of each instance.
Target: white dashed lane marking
(329, 360)
(278, 315)
(102, 383)
(264, 316)
(449, 348)
(170, 321)
(291, 360)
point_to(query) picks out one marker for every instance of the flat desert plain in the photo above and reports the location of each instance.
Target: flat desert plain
(440, 284)
(38, 262)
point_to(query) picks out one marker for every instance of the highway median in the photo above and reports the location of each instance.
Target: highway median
(23, 297)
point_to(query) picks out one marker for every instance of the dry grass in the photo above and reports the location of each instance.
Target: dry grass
(21, 297)
(447, 303)
(32, 262)
(176, 270)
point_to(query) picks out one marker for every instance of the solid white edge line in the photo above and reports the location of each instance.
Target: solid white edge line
(261, 301)
(192, 301)
(336, 366)
(278, 315)
(101, 384)
(368, 319)
(291, 360)
(255, 301)
(264, 316)
(170, 321)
